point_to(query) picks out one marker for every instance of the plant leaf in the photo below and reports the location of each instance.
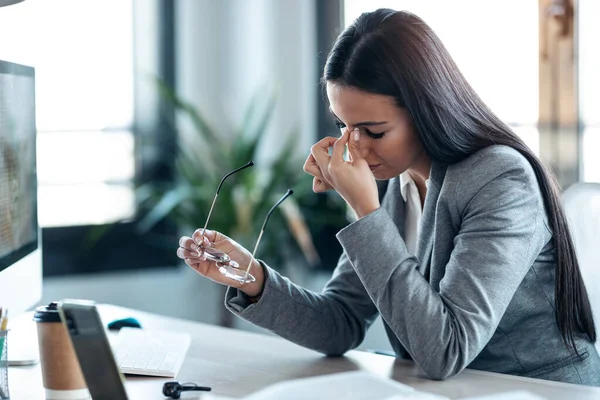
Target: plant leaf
(200, 123)
(280, 169)
(299, 230)
(166, 204)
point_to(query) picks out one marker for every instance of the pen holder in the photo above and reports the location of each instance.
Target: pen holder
(4, 365)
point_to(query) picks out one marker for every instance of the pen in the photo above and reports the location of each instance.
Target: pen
(3, 325)
(4, 320)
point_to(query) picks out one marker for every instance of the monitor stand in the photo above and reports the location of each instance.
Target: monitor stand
(22, 341)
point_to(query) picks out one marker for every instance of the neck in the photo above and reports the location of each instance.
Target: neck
(419, 172)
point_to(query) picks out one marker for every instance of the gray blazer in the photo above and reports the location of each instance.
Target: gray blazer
(479, 293)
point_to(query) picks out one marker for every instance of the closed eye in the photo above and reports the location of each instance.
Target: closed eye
(374, 135)
(370, 134)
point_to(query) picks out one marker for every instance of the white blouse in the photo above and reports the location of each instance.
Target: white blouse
(412, 217)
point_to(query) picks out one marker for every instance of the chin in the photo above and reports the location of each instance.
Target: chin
(386, 172)
(384, 175)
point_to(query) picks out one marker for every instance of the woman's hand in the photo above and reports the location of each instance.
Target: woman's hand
(352, 179)
(321, 180)
(188, 251)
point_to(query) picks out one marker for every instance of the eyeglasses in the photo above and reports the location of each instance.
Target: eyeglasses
(225, 264)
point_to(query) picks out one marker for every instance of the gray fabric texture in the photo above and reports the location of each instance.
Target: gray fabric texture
(479, 293)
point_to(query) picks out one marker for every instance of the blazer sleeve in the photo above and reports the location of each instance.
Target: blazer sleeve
(498, 241)
(331, 322)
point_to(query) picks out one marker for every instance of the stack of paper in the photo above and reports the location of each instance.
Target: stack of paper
(357, 386)
(346, 385)
(513, 395)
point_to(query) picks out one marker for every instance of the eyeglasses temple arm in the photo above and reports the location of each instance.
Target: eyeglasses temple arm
(249, 164)
(289, 193)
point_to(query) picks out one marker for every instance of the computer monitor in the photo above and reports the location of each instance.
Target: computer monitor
(20, 237)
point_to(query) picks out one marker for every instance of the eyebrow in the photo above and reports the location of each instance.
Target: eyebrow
(364, 123)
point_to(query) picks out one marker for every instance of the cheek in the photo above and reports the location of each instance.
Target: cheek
(399, 150)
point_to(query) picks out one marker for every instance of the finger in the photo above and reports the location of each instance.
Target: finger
(354, 145)
(320, 186)
(201, 268)
(320, 152)
(193, 254)
(199, 247)
(310, 164)
(337, 155)
(212, 236)
(188, 243)
(325, 143)
(311, 167)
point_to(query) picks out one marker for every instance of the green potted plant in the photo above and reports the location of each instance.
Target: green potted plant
(245, 198)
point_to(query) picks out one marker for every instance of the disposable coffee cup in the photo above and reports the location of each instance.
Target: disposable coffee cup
(61, 373)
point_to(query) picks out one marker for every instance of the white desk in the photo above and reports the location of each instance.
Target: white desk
(235, 363)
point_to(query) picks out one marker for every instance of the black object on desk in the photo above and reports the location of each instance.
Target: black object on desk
(120, 323)
(174, 389)
(93, 350)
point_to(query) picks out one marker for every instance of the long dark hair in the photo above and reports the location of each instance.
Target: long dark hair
(395, 53)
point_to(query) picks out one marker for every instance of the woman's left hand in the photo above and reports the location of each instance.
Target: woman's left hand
(353, 179)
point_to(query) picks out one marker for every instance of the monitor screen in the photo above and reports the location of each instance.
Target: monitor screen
(18, 179)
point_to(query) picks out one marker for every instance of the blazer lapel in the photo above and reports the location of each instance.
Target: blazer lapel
(426, 238)
(395, 205)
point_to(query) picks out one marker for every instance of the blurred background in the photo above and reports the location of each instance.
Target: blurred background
(143, 105)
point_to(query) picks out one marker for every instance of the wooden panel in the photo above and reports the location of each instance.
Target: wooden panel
(558, 114)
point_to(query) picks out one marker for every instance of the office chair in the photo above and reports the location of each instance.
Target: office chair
(582, 206)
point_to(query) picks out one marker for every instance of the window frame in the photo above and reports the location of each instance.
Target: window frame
(120, 246)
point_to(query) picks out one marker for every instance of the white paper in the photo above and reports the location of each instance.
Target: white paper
(512, 395)
(346, 385)
(417, 396)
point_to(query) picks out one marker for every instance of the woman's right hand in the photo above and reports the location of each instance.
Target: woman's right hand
(188, 251)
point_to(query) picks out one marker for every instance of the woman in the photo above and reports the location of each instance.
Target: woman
(468, 258)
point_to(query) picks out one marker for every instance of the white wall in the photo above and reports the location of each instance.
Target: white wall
(227, 49)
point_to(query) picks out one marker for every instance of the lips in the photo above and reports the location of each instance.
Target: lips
(373, 167)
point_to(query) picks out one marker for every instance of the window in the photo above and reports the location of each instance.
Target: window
(497, 50)
(83, 56)
(589, 87)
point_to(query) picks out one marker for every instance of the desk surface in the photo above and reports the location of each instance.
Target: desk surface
(236, 363)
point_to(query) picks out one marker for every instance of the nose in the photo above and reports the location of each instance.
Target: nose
(365, 146)
(365, 150)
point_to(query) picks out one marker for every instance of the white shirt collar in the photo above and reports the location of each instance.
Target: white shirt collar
(405, 180)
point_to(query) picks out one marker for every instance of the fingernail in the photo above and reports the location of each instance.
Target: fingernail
(356, 134)
(194, 247)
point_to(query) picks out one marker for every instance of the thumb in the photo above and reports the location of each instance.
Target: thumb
(354, 145)
(211, 236)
